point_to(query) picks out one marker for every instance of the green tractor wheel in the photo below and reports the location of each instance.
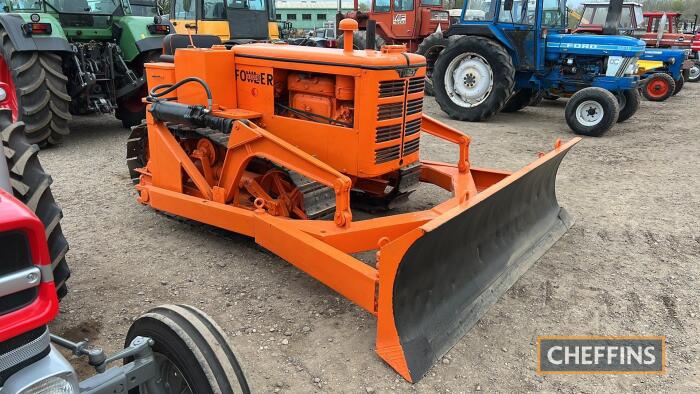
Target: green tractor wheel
(36, 91)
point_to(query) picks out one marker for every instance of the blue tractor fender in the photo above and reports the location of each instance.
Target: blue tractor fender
(55, 42)
(488, 30)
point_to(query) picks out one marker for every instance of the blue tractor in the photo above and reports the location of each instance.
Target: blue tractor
(503, 54)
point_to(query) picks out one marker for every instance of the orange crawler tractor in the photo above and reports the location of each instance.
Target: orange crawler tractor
(274, 141)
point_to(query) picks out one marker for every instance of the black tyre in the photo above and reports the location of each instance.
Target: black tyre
(191, 351)
(546, 95)
(658, 87)
(359, 40)
(592, 111)
(473, 78)
(629, 101)
(679, 85)
(431, 47)
(694, 73)
(31, 185)
(130, 112)
(521, 99)
(137, 151)
(40, 87)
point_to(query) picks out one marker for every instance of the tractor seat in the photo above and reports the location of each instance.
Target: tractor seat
(70, 15)
(171, 42)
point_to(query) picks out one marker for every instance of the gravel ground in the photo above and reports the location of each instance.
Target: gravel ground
(629, 266)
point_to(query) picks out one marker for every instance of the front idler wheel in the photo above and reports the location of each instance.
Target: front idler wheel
(658, 87)
(473, 78)
(592, 112)
(629, 101)
(191, 352)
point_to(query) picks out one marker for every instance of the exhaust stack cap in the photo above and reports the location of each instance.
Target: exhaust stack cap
(348, 26)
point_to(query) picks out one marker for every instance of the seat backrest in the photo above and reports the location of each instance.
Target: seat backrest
(171, 42)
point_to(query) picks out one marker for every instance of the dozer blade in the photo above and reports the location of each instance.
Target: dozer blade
(437, 281)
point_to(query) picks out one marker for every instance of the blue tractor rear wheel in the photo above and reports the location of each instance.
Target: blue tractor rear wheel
(473, 78)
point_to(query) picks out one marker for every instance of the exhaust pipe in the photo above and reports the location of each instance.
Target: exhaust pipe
(348, 27)
(371, 34)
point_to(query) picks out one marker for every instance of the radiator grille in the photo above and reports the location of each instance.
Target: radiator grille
(391, 88)
(411, 146)
(387, 154)
(414, 106)
(388, 133)
(15, 255)
(416, 85)
(413, 127)
(390, 111)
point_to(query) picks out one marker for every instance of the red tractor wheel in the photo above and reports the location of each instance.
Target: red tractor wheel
(658, 87)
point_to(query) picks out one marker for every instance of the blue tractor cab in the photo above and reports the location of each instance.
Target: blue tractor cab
(503, 54)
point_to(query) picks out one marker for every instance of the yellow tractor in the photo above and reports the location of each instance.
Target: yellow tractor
(234, 21)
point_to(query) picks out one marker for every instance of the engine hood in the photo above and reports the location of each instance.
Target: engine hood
(588, 44)
(664, 55)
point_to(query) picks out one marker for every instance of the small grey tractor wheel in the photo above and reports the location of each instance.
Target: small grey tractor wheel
(592, 111)
(39, 90)
(191, 352)
(521, 99)
(359, 40)
(658, 87)
(629, 101)
(694, 73)
(473, 78)
(31, 185)
(431, 47)
(679, 85)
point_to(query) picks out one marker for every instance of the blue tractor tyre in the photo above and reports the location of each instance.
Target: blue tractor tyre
(521, 99)
(592, 111)
(679, 85)
(473, 78)
(629, 104)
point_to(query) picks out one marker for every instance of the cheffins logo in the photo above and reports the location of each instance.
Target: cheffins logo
(254, 77)
(601, 355)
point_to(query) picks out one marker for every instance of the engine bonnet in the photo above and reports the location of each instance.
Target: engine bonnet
(586, 44)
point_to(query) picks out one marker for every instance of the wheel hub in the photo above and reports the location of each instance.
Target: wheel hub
(590, 113)
(694, 72)
(469, 80)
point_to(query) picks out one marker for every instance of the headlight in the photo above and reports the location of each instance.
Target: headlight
(3, 95)
(53, 385)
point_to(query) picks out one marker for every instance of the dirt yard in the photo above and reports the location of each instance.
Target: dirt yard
(629, 266)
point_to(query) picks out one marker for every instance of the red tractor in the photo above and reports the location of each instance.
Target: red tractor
(169, 349)
(418, 24)
(668, 30)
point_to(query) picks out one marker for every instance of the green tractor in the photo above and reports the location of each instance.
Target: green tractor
(74, 57)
